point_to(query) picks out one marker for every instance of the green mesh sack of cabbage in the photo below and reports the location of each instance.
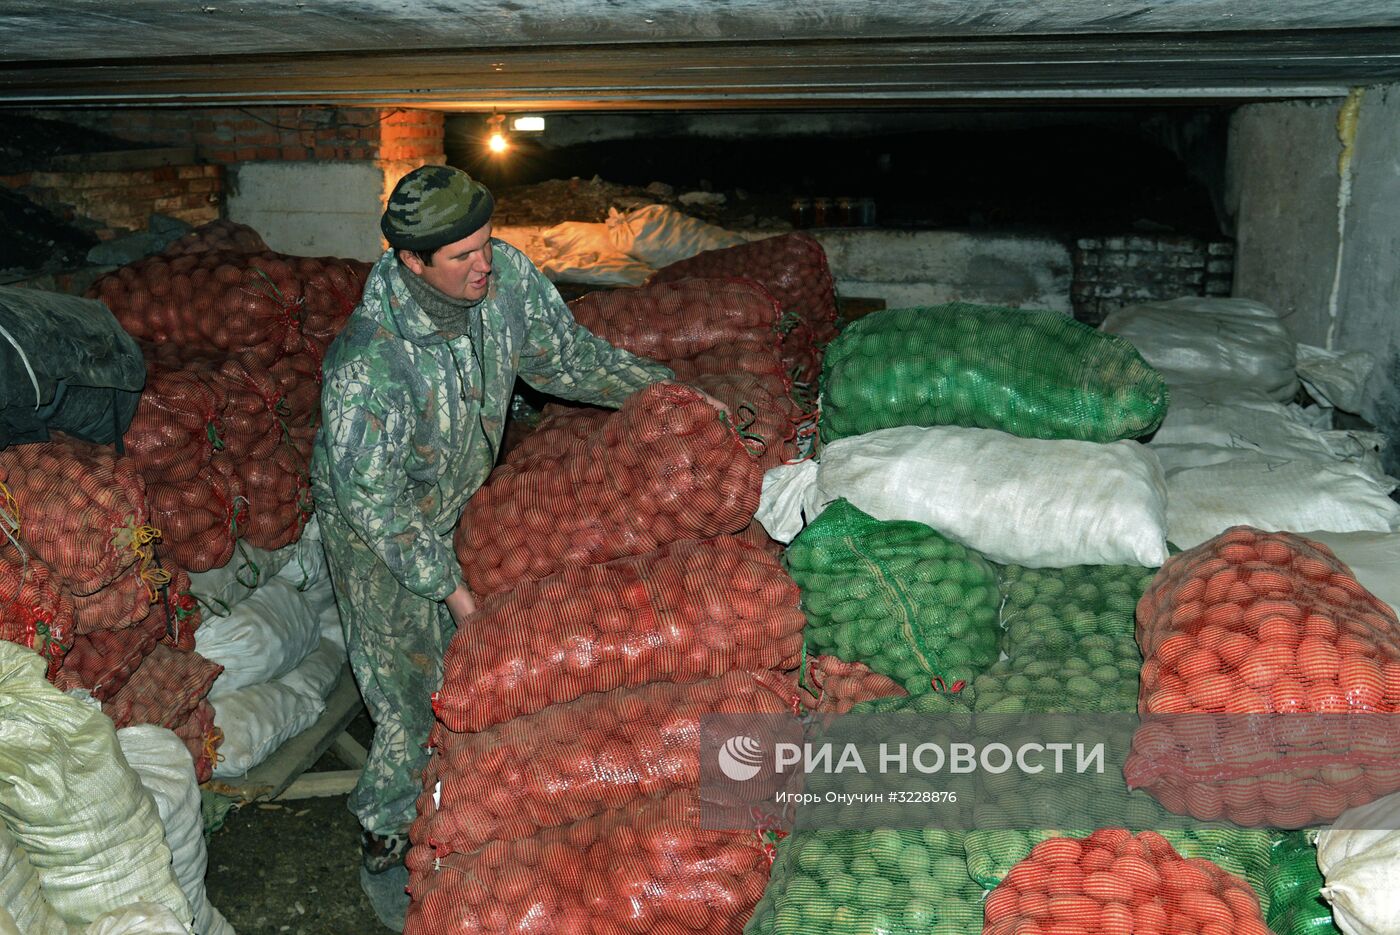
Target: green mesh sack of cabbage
(1293, 885)
(881, 882)
(1029, 373)
(896, 596)
(1070, 639)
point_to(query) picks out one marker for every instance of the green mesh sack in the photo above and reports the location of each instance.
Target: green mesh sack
(1070, 640)
(1029, 373)
(1293, 885)
(896, 596)
(881, 882)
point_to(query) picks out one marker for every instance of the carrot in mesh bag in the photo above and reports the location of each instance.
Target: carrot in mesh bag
(164, 690)
(664, 467)
(691, 610)
(34, 609)
(832, 686)
(104, 660)
(647, 867)
(1257, 623)
(178, 424)
(201, 519)
(80, 508)
(673, 320)
(202, 739)
(576, 760)
(1117, 883)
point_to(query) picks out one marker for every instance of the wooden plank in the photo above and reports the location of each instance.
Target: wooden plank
(349, 750)
(271, 778)
(321, 785)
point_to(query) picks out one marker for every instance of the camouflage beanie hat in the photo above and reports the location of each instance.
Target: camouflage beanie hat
(433, 206)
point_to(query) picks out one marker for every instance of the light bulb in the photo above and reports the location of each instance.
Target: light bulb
(497, 143)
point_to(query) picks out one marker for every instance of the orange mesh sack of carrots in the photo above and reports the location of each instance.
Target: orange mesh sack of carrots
(1256, 623)
(691, 610)
(664, 467)
(577, 760)
(648, 867)
(34, 610)
(1116, 883)
(80, 508)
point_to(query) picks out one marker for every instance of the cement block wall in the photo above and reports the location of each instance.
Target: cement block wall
(311, 208)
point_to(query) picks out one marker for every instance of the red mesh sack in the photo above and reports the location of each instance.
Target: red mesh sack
(34, 610)
(563, 431)
(576, 760)
(255, 416)
(689, 611)
(224, 235)
(333, 288)
(645, 868)
(164, 690)
(82, 509)
(1117, 883)
(298, 378)
(181, 611)
(115, 606)
(278, 491)
(740, 357)
(178, 424)
(1252, 623)
(672, 320)
(202, 739)
(834, 686)
(200, 519)
(104, 660)
(664, 467)
(763, 410)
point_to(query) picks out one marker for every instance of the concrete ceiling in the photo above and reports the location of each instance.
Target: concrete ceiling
(620, 54)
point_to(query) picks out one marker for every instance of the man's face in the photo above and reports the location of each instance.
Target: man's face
(460, 270)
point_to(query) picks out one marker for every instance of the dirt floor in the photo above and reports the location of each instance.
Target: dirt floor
(293, 867)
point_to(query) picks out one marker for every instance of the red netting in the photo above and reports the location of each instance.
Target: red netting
(103, 661)
(576, 760)
(333, 288)
(674, 320)
(178, 424)
(202, 739)
(164, 690)
(200, 519)
(691, 610)
(762, 408)
(1116, 883)
(34, 610)
(562, 431)
(114, 606)
(278, 491)
(220, 235)
(662, 468)
(82, 509)
(834, 686)
(1254, 622)
(255, 417)
(739, 357)
(298, 378)
(645, 868)
(181, 610)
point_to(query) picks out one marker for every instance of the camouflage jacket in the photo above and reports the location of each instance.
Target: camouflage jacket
(412, 421)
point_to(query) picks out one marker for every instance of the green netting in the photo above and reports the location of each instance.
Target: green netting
(1030, 373)
(1070, 639)
(896, 596)
(881, 882)
(1294, 883)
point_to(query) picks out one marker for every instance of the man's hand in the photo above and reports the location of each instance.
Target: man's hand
(461, 604)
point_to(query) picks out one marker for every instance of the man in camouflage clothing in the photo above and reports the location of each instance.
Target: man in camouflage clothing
(415, 396)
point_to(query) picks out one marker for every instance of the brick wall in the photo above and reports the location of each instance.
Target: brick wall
(1110, 272)
(120, 202)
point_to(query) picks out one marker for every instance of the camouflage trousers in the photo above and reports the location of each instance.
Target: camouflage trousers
(396, 641)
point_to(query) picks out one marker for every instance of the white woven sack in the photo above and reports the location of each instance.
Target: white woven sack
(306, 560)
(259, 719)
(91, 831)
(166, 771)
(137, 919)
(1270, 494)
(659, 235)
(20, 896)
(1359, 856)
(221, 589)
(1025, 501)
(1221, 347)
(1335, 378)
(265, 637)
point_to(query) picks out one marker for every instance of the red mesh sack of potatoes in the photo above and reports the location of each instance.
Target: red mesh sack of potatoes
(255, 416)
(833, 686)
(576, 760)
(164, 690)
(202, 739)
(200, 519)
(664, 467)
(1116, 883)
(82, 509)
(741, 357)
(691, 610)
(763, 411)
(229, 236)
(181, 611)
(103, 661)
(562, 431)
(1254, 623)
(34, 610)
(118, 605)
(278, 491)
(178, 424)
(332, 288)
(298, 379)
(648, 867)
(672, 320)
